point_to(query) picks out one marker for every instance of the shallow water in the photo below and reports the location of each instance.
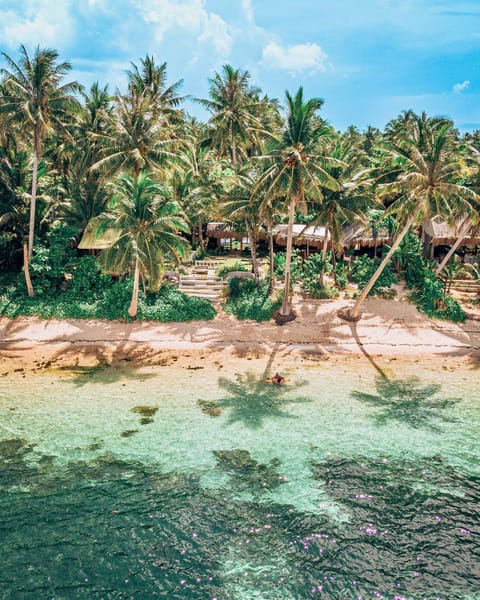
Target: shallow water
(203, 483)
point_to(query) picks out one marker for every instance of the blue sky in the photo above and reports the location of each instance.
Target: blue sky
(368, 59)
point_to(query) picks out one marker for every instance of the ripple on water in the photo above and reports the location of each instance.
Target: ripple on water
(337, 488)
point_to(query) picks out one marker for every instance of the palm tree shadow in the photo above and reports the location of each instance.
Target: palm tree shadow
(252, 401)
(408, 401)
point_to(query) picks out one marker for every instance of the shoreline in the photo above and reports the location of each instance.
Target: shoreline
(388, 328)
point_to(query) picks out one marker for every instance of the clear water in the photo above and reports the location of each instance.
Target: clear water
(202, 483)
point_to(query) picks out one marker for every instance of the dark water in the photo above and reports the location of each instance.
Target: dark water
(341, 485)
(107, 528)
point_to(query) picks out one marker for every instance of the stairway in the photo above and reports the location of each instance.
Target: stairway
(202, 282)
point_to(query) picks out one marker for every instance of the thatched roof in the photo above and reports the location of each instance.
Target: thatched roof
(358, 234)
(90, 241)
(443, 234)
(311, 236)
(223, 231)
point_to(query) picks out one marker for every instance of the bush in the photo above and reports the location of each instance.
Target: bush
(104, 298)
(170, 304)
(249, 301)
(295, 266)
(363, 269)
(321, 292)
(409, 261)
(431, 299)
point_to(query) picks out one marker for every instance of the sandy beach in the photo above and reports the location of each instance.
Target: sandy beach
(389, 328)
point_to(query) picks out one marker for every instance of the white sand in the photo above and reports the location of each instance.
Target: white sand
(391, 328)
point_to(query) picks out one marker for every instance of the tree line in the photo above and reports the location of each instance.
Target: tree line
(137, 162)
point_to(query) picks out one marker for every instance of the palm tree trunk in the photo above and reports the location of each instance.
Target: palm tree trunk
(234, 150)
(26, 269)
(354, 313)
(334, 267)
(271, 261)
(461, 237)
(285, 309)
(324, 253)
(253, 251)
(201, 241)
(133, 308)
(33, 200)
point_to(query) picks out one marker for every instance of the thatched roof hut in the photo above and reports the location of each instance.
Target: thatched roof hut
(358, 235)
(220, 231)
(90, 241)
(312, 237)
(439, 233)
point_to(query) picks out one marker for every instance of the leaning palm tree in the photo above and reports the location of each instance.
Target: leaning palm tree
(296, 170)
(148, 224)
(34, 97)
(425, 186)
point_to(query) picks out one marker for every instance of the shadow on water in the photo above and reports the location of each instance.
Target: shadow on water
(252, 401)
(408, 401)
(247, 474)
(112, 528)
(103, 373)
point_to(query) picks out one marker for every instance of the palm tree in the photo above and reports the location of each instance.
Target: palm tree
(135, 142)
(80, 192)
(148, 223)
(199, 180)
(150, 81)
(235, 107)
(248, 208)
(34, 97)
(296, 169)
(347, 203)
(425, 186)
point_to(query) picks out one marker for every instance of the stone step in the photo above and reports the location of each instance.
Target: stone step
(206, 295)
(203, 282)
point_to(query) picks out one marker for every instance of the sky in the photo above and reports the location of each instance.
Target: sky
(367, 59)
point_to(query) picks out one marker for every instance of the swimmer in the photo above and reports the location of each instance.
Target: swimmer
(277, 379)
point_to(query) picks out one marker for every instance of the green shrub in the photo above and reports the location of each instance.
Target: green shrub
(238, 286)
(295, 265)
(321, 292)
(170, 304)
(363, 269)
(250, 301)
(431, 299)
(408, 260)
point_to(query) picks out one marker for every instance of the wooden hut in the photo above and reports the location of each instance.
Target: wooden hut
(225, 234)
(436, 232)
(311, 237)
(359, 235)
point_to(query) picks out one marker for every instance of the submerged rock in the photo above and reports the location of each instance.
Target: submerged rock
(210, 408)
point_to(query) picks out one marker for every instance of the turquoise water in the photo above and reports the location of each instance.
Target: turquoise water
(203, 483)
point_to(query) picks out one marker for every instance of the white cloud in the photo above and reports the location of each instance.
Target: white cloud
(302, 57)
(459, 87)
(247, 7)
(37, 22)
(190, 16)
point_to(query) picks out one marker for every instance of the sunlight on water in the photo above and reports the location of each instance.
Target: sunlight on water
(210, 483)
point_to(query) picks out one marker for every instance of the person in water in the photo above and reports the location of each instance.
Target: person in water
(277, 379)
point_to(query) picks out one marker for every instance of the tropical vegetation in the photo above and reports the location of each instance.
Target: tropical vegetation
(135, 168)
